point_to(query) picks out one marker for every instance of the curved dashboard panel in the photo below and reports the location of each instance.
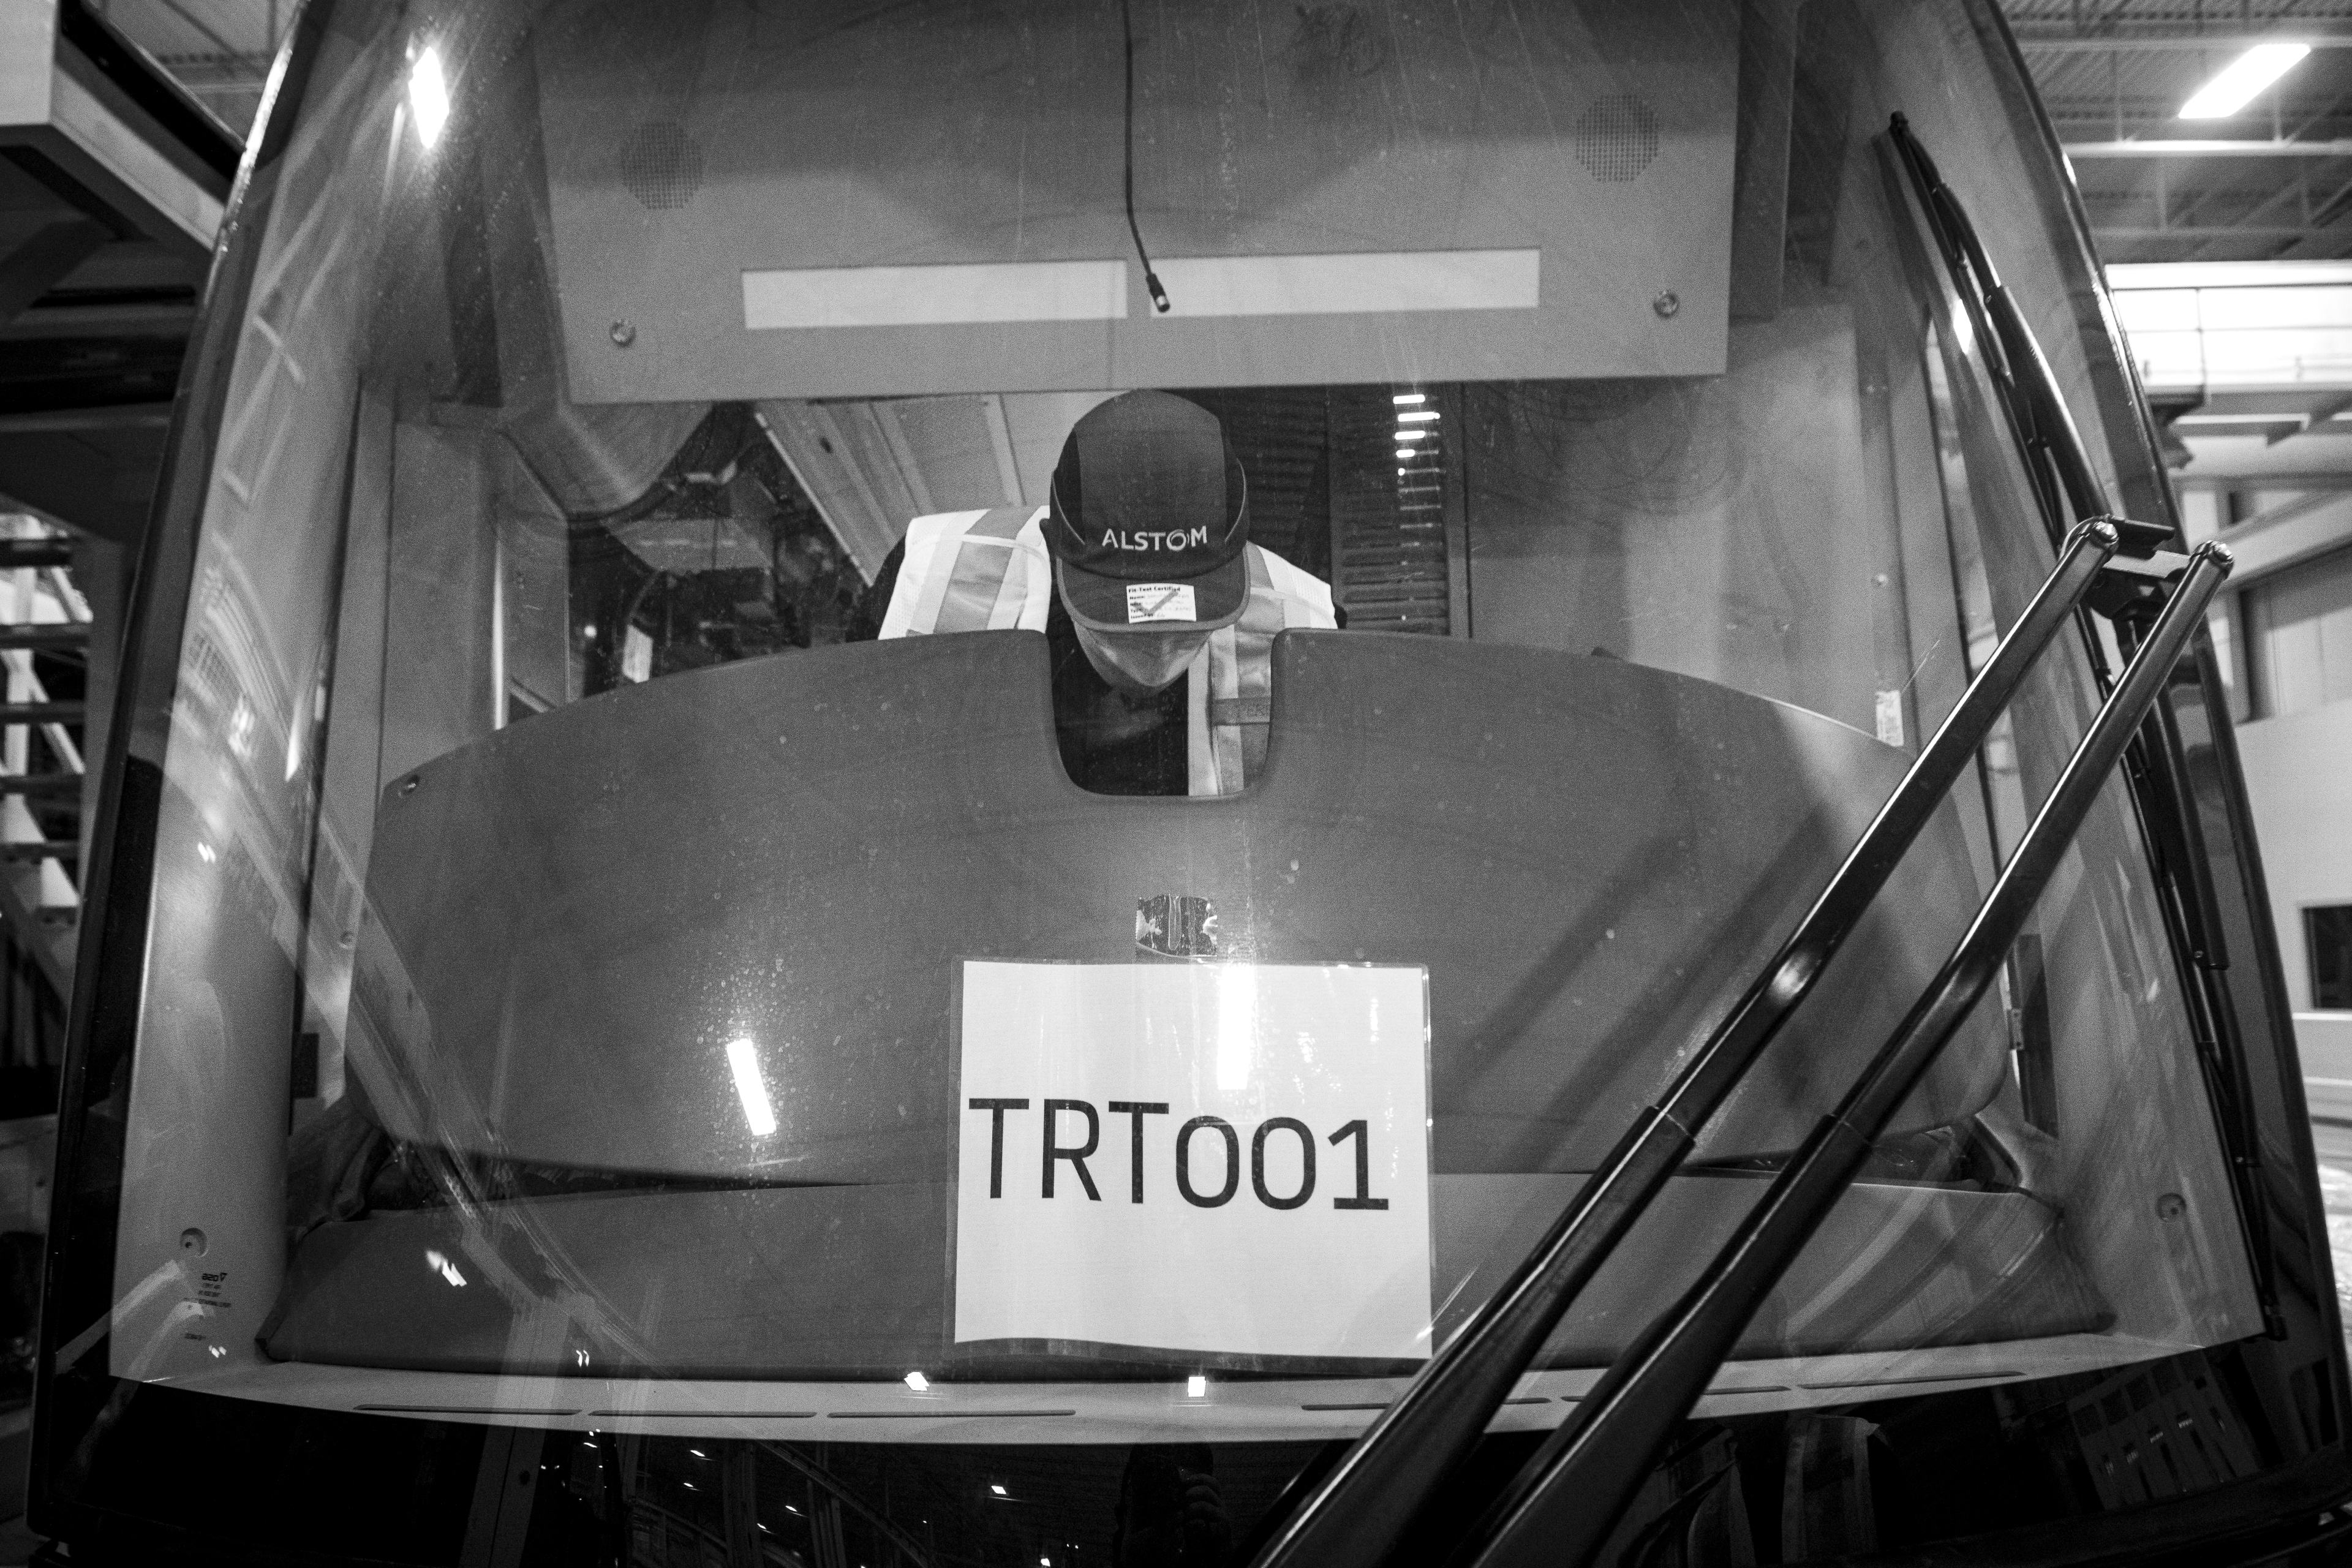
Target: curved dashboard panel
(571, 920)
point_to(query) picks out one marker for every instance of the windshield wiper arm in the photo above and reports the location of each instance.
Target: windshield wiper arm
(1562, 1505)
(1355, 1516)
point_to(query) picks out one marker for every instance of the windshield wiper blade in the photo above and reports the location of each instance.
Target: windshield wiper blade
(2163, 794)
(2028, 386)
(1562, 1505)
(1357, 1514)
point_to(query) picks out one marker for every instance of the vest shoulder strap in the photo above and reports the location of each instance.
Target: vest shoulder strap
(1229, 688)
(971, 572)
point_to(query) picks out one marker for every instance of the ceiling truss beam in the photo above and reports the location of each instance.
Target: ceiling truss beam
(2183, 147)
(2216, 42)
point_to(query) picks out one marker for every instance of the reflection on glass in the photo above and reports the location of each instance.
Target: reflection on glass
(743, 1058)
(679, 625)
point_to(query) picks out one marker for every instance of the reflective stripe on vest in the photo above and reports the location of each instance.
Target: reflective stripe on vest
(988, 571)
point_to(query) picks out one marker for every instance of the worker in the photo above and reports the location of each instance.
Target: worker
(1160, 614)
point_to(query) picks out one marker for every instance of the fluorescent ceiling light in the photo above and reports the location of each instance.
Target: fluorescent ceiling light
(744, 1058)
(428, 95)
(2235, 84)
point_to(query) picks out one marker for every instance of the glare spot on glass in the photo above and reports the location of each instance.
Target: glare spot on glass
(440, 1264)
(205, 853)
(1964, 334)
(216, 1351)
(1412, 416)
(2234, 85)
(1237, 1024)
(917, 1382)
(1196, 1387)
(997, 1490)
(1403, 452)
(744, 1058)
(698, 1453)
(240, 729)
(293, 749)
(690, 1486)
(1412, 434)
(1409, 397)
(428, 95)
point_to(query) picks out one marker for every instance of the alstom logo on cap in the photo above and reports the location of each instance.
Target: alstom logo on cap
(1173, 539)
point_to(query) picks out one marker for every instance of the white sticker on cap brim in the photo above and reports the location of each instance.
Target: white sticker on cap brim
(1158, 601)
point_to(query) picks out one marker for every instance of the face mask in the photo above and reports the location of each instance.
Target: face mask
(1140, 663)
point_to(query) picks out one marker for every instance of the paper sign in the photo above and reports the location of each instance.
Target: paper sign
(1215, 1157)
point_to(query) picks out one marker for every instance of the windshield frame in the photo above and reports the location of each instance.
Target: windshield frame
(77, 1398)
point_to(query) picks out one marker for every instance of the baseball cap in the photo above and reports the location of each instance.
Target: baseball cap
(1149, 517)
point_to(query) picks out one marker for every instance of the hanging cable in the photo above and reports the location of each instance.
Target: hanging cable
(1151, 278)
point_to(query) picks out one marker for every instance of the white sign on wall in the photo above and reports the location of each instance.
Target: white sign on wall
(1214, 1157)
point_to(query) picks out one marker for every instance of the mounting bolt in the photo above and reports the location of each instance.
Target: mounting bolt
(1666, 304)
(408, 785)
(2170, 1205)
(624, 334)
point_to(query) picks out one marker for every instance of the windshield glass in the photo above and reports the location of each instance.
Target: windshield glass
(917, 725)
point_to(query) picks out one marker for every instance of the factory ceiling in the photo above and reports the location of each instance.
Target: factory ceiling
(2273, 182)
(2114, 74)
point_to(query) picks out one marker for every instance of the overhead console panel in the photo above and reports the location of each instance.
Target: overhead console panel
(835, 200)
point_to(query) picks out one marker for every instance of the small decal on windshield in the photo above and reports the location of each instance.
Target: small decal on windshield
(1176, 926)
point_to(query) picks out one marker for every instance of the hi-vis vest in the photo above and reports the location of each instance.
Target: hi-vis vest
(988, 571)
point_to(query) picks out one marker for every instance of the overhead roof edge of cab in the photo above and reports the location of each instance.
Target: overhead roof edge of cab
(86, 114)
(212, 150)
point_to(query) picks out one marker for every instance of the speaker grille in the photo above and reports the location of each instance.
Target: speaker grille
(1617, 137)
(662, 165)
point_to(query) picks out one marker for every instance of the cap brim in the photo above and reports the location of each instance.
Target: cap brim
(1100, 604)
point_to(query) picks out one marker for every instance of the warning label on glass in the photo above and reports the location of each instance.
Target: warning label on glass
(1217, 1157)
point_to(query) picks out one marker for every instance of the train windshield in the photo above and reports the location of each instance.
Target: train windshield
(996, 740)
